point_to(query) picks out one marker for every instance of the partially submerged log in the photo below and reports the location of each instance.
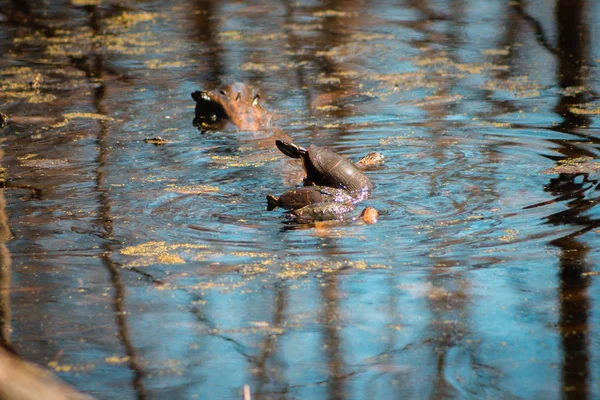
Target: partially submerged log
(20, 380)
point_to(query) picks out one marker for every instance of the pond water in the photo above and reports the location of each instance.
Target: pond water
(134, 270)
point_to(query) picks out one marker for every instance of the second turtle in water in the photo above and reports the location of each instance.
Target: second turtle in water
(303, 196)
(333, 211)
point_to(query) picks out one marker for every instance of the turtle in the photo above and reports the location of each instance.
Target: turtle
(237, 102)
(333, 211)
(303, 196)
(326, 168)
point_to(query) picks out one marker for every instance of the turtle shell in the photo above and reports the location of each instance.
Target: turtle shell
(300, 197)
(323, 211)
(327, 168)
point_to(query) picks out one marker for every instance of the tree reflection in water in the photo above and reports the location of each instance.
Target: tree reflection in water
(140, 271)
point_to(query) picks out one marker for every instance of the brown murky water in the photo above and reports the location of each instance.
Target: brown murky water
(135, 270)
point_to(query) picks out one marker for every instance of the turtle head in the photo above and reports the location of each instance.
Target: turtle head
(208, 110)
(369, 215)
(290, 149)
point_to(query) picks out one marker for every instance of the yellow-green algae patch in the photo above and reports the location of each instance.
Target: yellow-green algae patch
(349, 50)
(252, 254)
(435, 100)
(85, 115)
(236, 36)
(509, 235)
(26, 156)
(160, 64)
(308, 27)
(116, 37)
(45, 163)
(129, 43)
(56, 366)
(23, 83)
(225, 285)
(130, 19)
(265, 37)
(334, 13)
(331, 80)
(265, 270)
(70, 116)
(32, 85)
(162, 253)
(293, 270)
(365, 37)
(116, 360)
(30, 97)
(231, 35)
(471, 68)
(192, 189)
(258, 327)
(167, 367)
(155, 248)
(520, 86)
(394, 140)
(495, 124)
(259, 67)
(580, 165)
(404, 81)
(82, 3)
(573, 90)
(497, 52)
(586, 109)
(243, 161)
(257, 268)
(327, 107)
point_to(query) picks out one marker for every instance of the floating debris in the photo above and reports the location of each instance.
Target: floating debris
(3, 120)
(156, 141)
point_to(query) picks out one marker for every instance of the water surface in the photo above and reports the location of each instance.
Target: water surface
(140, 271)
